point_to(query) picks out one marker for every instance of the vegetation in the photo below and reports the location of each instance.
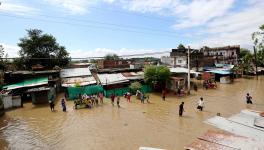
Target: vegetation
(157, 76)
(111, 57)
(2, 64)
(39, 45)
(135, 86)
(181, 46)
(258, 39)
(246, 62)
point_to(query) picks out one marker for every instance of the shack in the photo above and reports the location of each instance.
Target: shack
(36, 90)
(113, 83)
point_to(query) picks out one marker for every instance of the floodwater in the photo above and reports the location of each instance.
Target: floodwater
(126, 128)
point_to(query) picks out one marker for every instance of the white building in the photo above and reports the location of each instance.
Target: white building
(166, 60)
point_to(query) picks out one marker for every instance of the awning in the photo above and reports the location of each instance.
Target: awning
(222, 72)
(28, 83)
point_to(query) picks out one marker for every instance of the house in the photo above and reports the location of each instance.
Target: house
(167, 60)
(223, 55)
(180, 58)
(104, 64)
(179, 78)
(114, 83)
(76, 77)
(37, 90)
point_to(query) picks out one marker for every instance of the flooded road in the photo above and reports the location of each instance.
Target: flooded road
(126, 128)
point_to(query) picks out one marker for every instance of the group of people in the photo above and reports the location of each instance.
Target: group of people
(52, 105)
(140, 95)
(113, 97)
(200, 104)
(89, 100)
(209, 84)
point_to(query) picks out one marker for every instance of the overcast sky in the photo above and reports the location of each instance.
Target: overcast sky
(97, 27)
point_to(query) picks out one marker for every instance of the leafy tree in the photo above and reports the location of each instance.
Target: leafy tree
(246, 63)
(111, 57)
(156, 75)
(181, 46)
(135, 86)
(38, 45)
(2, 65)
(243, 52)
(258, 39)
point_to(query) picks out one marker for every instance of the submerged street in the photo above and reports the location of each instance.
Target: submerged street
(127, 128)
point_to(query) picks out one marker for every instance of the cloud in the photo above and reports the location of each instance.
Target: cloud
(235, 28)
(144, 6)
(100, 52)
(10, 50)
(17, 9)
(200, 12)
(73, 6)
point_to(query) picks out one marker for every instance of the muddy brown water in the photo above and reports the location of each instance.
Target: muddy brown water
(126, 128)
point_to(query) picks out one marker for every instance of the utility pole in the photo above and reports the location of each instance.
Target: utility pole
(256, 62)
(189, 76)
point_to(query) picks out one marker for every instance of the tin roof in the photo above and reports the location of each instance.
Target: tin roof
(133, 75)
(220, 140)
(75, 72)
(242, 124)
(182, 70)
(107, 79)
(27, 83)
(82, 81)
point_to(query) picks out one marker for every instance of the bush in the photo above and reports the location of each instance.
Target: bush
(135, 86)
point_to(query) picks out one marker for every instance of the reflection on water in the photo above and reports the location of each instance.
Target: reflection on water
(129, 127)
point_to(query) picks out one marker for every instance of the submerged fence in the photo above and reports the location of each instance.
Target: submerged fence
(73, 92)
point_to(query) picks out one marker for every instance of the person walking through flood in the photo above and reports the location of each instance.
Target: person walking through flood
(142, 98)
(147, 98)
(51, 105)
(63, 105)
(163, 94)
(200, 104)
(128, 96)
(101, 97)
(181, 109)
(118, 101)
(112, 99)
(249, 99)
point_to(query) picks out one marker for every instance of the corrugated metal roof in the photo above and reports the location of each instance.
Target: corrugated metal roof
(182, 70)
(223, 72)
(75, 72)
(219, 140)
(240, 124)
(133, 75)
(107, 79)
(82, 81)
(28, 83)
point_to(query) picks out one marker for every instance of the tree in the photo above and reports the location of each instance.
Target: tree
(181, 46)
(38, 45)
(111, 57)
(2, 65)
(258, 40)
(246, 62)
(157, 76)
(135, 86)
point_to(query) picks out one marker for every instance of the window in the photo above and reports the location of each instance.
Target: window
(179, 61)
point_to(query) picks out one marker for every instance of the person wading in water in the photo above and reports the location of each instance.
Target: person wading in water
(181, 109)
(249, 99)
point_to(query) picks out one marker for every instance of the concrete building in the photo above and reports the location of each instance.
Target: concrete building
(104, 64)
(222, 55)
(167, 60)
